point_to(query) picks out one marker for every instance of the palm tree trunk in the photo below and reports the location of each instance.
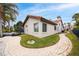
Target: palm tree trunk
(13, 26)
(1, 28)
(9, 25)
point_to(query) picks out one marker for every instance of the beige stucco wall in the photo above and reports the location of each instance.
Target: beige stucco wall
(50, 30)
(30, 28)
(59, 27)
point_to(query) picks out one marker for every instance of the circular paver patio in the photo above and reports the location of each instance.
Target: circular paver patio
(13, 47)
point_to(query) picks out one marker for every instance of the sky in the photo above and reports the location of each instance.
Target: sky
(47, 10)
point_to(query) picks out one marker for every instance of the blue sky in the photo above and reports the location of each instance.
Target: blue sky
(48, 10)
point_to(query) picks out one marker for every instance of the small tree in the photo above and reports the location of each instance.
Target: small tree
(18, 27)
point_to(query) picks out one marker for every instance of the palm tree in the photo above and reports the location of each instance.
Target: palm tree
(8, 13)
(1, 12)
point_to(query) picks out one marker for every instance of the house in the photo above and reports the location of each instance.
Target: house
(60, 25)
(39, 26)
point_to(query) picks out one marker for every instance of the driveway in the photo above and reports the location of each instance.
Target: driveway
(13, 47)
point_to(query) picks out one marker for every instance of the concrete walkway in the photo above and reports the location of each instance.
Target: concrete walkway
(2, 47)
(13, 48)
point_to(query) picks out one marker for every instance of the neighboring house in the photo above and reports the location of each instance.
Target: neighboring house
(72, 25)
(39, 26)
(68, 26)
(65, 26)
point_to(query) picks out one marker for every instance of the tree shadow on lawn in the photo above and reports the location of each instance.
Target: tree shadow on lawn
(76, 32)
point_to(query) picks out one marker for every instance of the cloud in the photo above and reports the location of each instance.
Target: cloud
(65, 6)
(37, 9)
(24, 12)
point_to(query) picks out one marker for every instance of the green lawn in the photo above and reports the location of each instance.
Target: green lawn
(76, 27)
(75, 43)
(39, 42)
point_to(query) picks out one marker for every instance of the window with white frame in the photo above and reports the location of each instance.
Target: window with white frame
(36, 27)
(44, 27)
(54, 27)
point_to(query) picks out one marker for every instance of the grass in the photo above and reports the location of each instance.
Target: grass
(75, 43)
(76, 28)
(39, 42)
